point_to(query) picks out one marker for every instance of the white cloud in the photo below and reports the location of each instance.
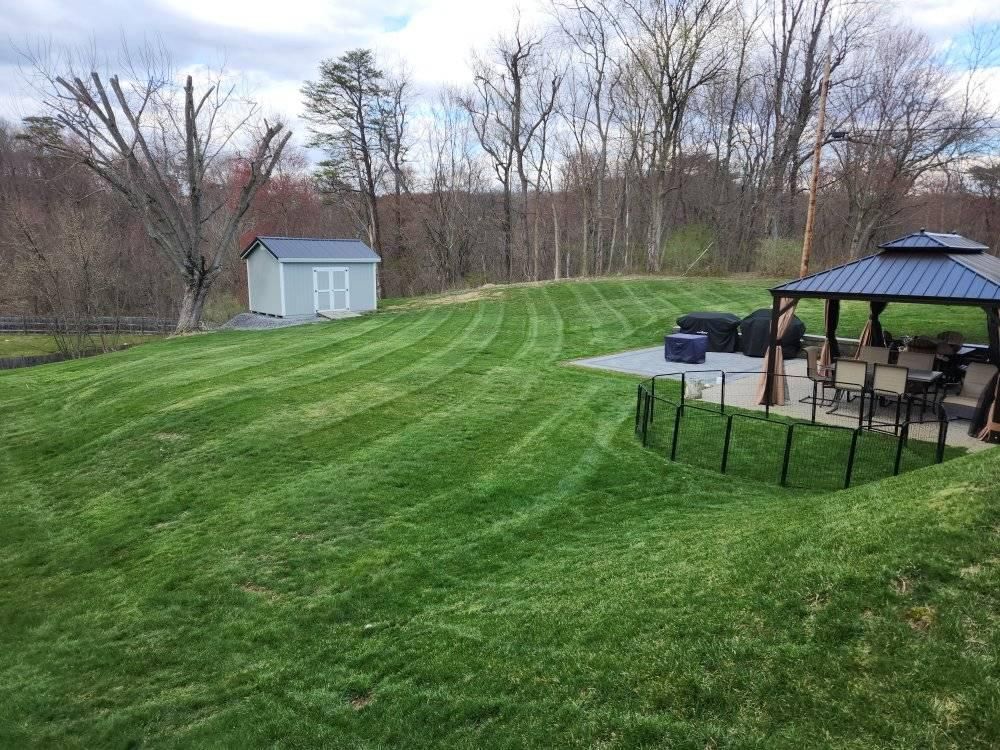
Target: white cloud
(438, 40)
(937, 16)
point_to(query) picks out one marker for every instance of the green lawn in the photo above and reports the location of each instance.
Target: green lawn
(29, 344)
(418, 528)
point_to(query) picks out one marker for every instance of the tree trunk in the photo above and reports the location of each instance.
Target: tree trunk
(195, 294)
(555, 238)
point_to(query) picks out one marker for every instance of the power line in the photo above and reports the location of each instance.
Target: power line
(924, 129)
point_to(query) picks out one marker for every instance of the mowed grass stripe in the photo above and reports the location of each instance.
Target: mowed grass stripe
(461, 543)
(289, 441)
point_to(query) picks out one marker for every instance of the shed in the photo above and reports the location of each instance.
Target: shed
(297, 277)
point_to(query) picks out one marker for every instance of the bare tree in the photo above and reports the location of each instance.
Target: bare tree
(515, 94)
(589, 110)
(161, 147)
(676, 47)
(907, 115)
(394, 141)
(450, 217)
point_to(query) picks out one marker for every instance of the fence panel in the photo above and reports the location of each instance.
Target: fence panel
(875, 456)
(756, 448)
(819, 456)
(701, 438)
(661, 424)
(919, 445)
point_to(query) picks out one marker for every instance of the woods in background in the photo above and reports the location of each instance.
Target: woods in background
(624, 136)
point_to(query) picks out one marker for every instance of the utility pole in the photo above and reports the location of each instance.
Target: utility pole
(807, 240)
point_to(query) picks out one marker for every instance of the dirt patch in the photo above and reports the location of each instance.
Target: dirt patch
(358, 702)
(971, 570)
(920, 618)
(253, 588)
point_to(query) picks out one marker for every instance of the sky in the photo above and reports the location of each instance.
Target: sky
(277, 44)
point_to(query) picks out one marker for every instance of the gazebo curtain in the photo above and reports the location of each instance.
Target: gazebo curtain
(831, 347)
(779, 387)
(986, 422)
(871, 334)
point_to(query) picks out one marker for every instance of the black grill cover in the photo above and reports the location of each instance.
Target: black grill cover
(722, 328)
(755, 330)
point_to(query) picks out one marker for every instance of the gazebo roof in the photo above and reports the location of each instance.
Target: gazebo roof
(924, 240)
(920, 267)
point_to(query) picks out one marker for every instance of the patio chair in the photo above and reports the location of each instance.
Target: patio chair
(917, 361)
(821, 377)
(849, 377)
(888, 383)
(977, 378)
(873, 355)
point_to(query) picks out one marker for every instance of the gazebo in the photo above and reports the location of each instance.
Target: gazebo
(924, 267)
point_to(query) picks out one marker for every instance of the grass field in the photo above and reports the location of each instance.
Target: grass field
(27, 344)
(418, 528)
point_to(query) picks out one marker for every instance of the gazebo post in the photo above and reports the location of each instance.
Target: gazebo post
(993, 327)
(771, 352)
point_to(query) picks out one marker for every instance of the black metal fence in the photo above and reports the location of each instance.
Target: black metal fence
(797, 445)
(30, 360)
(125, 324)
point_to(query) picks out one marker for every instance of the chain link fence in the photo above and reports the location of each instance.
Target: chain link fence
(710, 420)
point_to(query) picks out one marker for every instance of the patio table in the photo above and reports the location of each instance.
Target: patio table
(928, 379)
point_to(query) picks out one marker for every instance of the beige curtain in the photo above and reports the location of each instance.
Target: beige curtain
(831, 317)
(779, 391)
(865, 339)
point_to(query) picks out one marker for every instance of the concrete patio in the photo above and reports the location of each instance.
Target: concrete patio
(742, 383)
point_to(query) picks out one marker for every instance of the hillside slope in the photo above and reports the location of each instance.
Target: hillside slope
(419, 528)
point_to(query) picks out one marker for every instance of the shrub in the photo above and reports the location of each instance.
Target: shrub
(683, 248)
(778, 257)
(220, 307)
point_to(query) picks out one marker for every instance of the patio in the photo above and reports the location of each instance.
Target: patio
(702, 386)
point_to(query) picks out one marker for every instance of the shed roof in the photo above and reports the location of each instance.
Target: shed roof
(305, 249)
(947, 269)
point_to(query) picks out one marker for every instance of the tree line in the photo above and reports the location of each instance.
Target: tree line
(621, 136)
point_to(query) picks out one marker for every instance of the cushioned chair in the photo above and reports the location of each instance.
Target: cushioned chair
(963, 405)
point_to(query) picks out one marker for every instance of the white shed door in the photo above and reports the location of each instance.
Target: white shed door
(332, 289)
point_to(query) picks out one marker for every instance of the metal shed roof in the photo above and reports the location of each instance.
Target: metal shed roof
(305, 249)
(954, 275)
